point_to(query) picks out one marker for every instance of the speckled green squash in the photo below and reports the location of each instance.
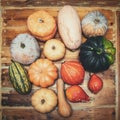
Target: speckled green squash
(19, 78)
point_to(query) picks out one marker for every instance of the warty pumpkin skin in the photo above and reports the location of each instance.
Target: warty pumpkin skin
(43, 73)
(72, 72)
(97, 54)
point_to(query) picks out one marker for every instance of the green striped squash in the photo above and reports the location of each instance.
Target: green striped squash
(19, 78)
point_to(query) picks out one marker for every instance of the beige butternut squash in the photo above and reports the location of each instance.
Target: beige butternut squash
(64, 108)
(69, 27)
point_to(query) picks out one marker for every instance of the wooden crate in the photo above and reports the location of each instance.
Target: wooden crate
(103, 106)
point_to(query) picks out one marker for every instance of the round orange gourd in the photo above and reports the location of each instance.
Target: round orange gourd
(43, 73)
(72, 72)
(42, 25)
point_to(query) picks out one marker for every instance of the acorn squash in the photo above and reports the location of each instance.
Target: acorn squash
(97, 54)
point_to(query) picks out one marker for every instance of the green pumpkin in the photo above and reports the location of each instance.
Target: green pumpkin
(19, 78)
(97, 54)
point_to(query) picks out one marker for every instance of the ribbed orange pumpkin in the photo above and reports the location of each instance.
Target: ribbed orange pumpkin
(43, 73)
(72, 72)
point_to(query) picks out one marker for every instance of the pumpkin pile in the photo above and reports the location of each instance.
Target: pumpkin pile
(96, 55)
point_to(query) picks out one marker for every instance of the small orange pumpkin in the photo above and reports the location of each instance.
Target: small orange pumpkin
(43, 73)
(42, 25)
(72, 72)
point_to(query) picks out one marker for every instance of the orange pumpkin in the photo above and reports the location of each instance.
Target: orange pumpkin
(72, 72)
(42, 73)
(42, 25)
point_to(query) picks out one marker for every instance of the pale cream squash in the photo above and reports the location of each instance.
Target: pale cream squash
(44, 100)
(54, 49)
(69, 27)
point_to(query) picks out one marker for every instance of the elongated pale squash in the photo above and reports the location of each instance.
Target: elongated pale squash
(19, 78)
(69, 27)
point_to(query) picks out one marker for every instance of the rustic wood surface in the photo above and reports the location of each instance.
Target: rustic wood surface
(102, 106)
(118, 65)
(23, 3)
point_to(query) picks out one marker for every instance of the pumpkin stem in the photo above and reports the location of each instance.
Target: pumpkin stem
(99, 51)
(42, 101)
(40, 20)
(22, 45)
(96, 21)
(53, 47)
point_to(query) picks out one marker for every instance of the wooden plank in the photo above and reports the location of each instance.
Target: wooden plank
(101, 106)
(118, 65)
(18, 17)
(23, 3)
(82, 114)
(0, 59)
(14, 21)
(12, 98)
(12, 33)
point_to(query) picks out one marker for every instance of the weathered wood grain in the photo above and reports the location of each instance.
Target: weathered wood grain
(118, 65)
(11, 98)
(14, 99)
(17, 17)
(82, 114)
(102, 106)
(23, 3)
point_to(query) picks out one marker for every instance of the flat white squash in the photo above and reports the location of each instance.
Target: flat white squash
(69, 27)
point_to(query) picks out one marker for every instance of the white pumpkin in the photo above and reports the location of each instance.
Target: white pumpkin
(44, 100)
(94, 24)
(69, 27)
(54, 49)
(24, 49)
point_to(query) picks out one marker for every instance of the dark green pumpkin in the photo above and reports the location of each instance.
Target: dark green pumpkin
(97, 54)
(19, 78)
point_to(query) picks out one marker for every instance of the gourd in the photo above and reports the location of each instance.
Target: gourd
(72, 72)
(19, 78)
(43, 72)
(42, 25)
(94, 24)
(97, 54)
(54, 49)
(69, 27)
(64, 108)
(44, 100)
(75, 93)
(24, 49)
(95, 83)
